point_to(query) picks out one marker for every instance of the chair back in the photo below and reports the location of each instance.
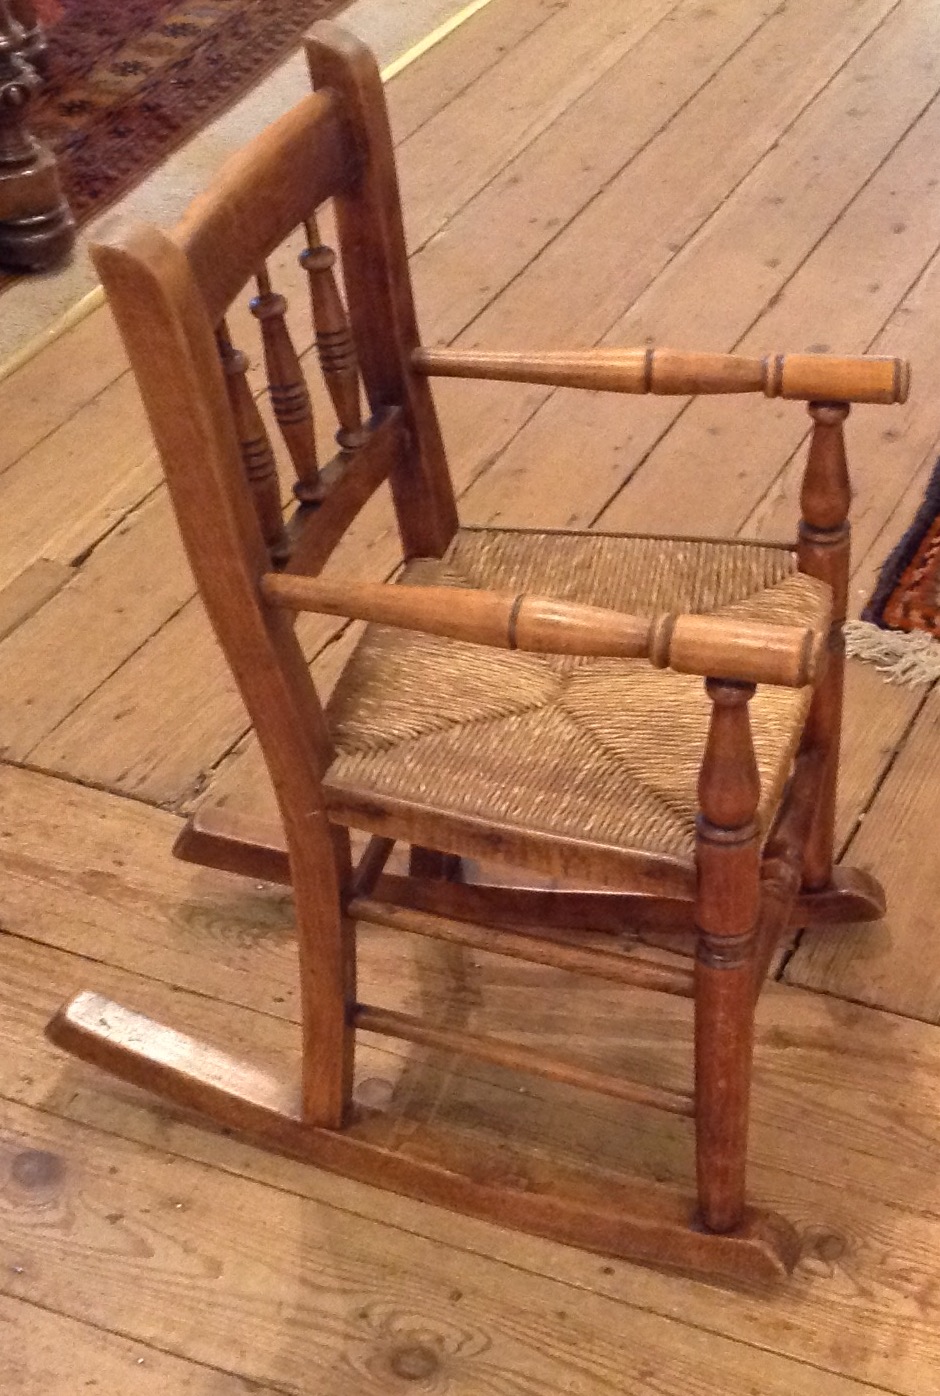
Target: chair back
(171, 297)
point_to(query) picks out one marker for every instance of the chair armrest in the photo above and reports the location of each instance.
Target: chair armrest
(809, 377)
(712, 646)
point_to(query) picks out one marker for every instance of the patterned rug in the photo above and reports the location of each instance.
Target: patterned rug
(130, 80)
(900, 627)
(907, 596)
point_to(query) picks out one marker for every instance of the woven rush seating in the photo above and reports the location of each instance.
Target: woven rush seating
(607, 750)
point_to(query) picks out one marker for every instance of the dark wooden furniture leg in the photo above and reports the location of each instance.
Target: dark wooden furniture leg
(37, 229)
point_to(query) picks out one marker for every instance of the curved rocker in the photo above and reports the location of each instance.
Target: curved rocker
(453, 1168)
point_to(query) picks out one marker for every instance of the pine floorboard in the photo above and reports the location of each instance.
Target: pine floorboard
(746, 175)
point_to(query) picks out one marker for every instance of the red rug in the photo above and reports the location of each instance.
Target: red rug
(907, 596)
(130, 80)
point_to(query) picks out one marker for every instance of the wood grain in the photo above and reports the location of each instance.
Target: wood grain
(46, 1354)
(112, 603)
(678, 303)
(505, 1325)
(875, 965)
(574, 951)
(688, 74)
(808, 1060)
(96, 466)
(829, 284)
(548, 71)
(433, 81)
(811, 1059)
(34, 586)
(82, 363)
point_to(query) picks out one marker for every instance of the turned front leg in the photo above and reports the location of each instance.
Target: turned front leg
(823, 552)
(727, 904)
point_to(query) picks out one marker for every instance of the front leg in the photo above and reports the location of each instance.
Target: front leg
(727, 907)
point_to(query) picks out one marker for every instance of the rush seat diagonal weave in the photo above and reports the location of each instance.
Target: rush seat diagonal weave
(607, 750)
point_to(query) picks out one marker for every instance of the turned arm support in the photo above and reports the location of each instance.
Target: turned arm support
(743, 650)
(808, 377)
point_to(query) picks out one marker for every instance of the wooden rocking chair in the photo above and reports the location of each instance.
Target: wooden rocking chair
(503, 704)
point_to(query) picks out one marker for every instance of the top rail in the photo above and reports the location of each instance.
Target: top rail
(262, 193)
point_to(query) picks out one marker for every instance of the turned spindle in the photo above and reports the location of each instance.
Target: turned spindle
(290, 396)
(256, 453)
(334, 340)
(823, 549)
(726, 913)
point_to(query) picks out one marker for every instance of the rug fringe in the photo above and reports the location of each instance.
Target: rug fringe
(906, 657)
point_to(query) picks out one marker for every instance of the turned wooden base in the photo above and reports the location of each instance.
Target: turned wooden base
(39, 242)
(37, 229)
(451, 1167)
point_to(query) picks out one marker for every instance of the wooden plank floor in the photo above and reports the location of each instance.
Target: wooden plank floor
(750, 174)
